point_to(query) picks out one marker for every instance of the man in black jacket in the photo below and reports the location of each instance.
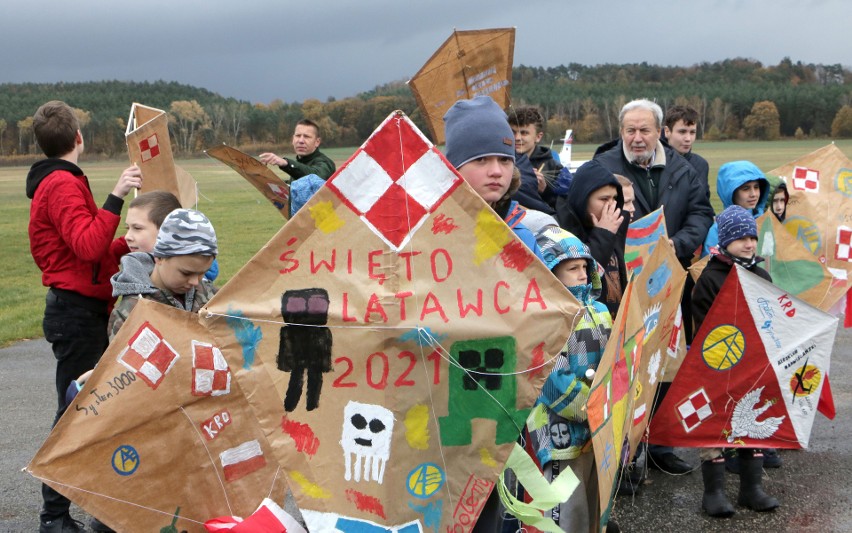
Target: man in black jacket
(661, 178)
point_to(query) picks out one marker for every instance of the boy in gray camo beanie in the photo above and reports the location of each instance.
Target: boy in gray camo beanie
(171, 274)
(186, 232)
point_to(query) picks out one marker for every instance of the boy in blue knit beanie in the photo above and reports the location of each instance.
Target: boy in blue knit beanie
(737, 245)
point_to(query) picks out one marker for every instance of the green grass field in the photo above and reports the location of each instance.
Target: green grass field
(244, 220)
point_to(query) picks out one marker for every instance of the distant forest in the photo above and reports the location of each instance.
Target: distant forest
(736, 99)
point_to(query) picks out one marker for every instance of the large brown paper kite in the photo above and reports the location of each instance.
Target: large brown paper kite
(149, 146)
(819, 212)
(422, 327)
(469, 63)
(642, 238)
(264, 180)
(794, 268)
(754, 374)
(612, 397)
(658, 290)
(161, 434)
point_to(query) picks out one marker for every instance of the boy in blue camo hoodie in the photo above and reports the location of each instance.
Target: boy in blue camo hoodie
(558, 426)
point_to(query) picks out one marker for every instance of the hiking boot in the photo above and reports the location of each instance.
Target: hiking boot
(63, 524)
(100, 527)
(714, 501)
(751, 482)
(669, 463)
(630, 480)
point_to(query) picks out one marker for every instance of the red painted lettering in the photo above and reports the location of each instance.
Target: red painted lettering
(329, 265)
(346, 317)
(448, 265)
(374, 306)
(497, 307)
(434, 307)
(401, 296)
(373, 265)
(407, 256)
(532, 287)
(290, 264)
(464, 309)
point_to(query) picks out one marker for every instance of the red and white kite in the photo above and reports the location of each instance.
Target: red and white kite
(754, 374)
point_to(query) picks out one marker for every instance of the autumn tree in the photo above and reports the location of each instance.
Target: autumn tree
(186, 118)
(25, 131)
(764, 122)
(841, 126)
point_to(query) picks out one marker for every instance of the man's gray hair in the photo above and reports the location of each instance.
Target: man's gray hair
(642, 103)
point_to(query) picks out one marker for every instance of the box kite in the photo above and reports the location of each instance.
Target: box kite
(391, 339)
(469, 63)
(149, 146)
(754, 374)
(276, 190)
(161, 433)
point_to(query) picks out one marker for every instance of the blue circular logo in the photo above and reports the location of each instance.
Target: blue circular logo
(125, 460)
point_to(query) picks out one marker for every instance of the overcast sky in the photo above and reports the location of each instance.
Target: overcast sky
(261, 50)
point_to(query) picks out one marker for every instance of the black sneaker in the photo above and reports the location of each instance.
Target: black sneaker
(771, 458)
(63, 524)
(669, 463)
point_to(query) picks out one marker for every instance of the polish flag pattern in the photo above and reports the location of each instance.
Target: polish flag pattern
(210, 373)
(395, 180)
(149, 147)
(242, 460)
(806, 179)
(149, 355)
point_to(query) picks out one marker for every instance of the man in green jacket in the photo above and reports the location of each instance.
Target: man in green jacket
(309, 160)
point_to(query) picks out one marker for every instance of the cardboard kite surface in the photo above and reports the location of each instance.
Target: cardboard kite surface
(161, 433)
(149, 146)
(612, 397)
(469, 63)
(819, 212)
(754, 374)
(658, 290)
(276, 190)
(391, 339)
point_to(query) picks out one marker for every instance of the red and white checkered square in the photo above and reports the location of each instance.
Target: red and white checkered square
(149, 355)
(149, 147)
(805, 179)
(843, 250)
(395, 180)
(210, 373)
(694, 410)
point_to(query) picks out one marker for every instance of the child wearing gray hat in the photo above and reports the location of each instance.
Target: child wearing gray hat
(173, 273)
(737, 245)
(481, 145)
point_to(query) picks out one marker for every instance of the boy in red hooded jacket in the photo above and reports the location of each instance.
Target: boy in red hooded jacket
(72, 243)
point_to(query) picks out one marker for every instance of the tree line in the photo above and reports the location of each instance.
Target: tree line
(735, 98)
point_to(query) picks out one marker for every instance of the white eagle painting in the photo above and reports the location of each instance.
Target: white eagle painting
(744, 422)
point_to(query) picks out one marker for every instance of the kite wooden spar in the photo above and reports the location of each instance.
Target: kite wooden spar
(469, 63)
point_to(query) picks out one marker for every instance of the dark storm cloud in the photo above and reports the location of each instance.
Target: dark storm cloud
(261, 50)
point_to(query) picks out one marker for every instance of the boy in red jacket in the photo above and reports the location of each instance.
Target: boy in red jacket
(72, 242)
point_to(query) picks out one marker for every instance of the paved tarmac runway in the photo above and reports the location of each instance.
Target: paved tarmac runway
(814, 485)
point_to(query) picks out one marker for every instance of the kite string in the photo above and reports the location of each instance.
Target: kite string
(212, 461)
(169, 514)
